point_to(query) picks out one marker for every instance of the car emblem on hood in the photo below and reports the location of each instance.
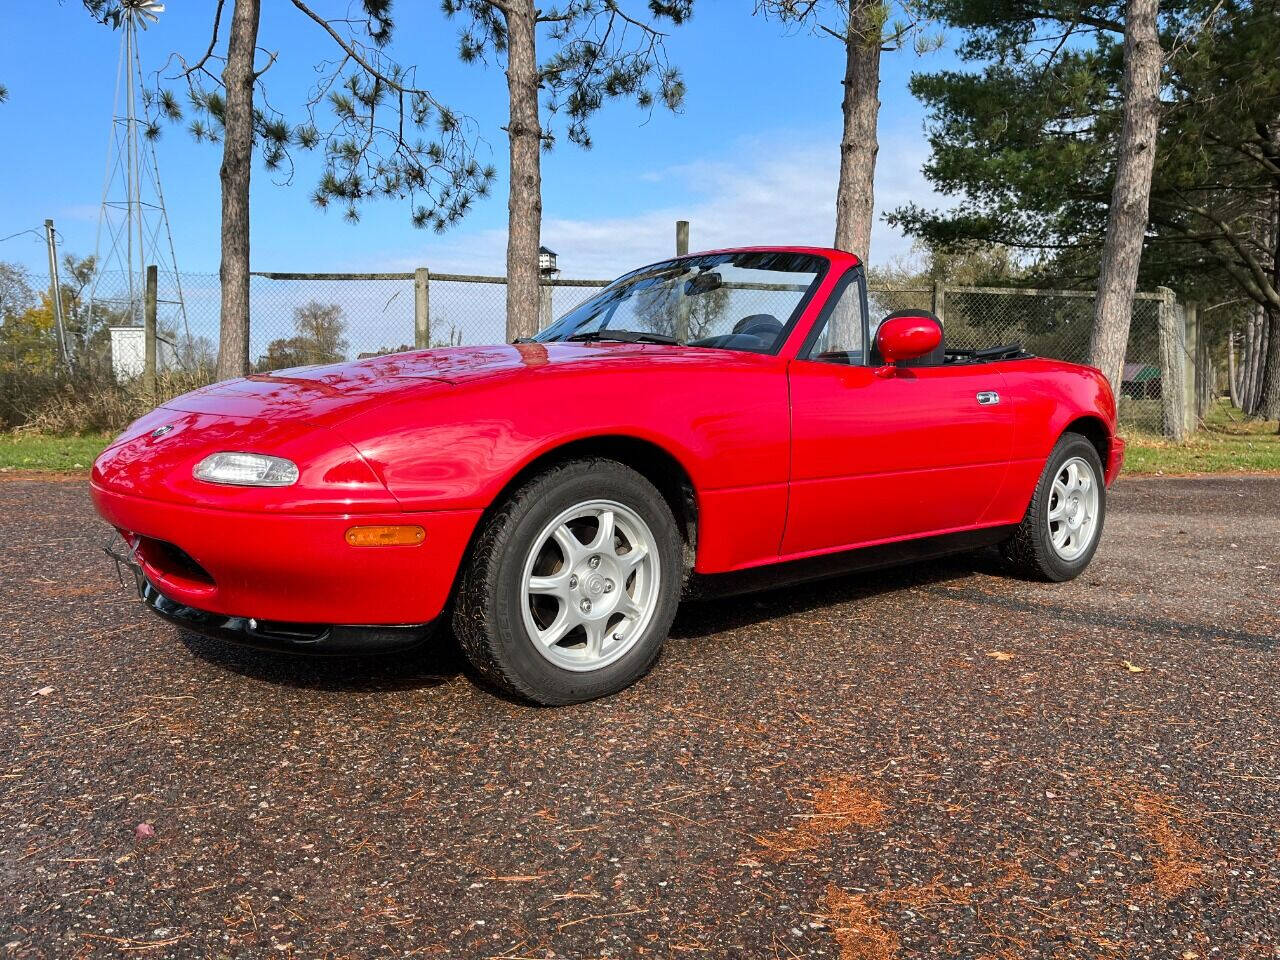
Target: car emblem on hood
(159, 432)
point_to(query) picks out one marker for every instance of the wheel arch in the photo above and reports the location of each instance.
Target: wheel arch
(1094, 429)
(651, 460)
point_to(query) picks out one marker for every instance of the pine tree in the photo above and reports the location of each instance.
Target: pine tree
(592, 51)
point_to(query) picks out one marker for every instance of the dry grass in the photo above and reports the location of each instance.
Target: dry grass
(838, 805)
(88, 401)
(1180, 859)
(858, 928)
(862, 922)
(923, 896)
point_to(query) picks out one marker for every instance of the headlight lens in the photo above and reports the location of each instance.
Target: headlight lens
(247, 470)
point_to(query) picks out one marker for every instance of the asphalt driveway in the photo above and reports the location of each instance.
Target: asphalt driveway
(935, 761)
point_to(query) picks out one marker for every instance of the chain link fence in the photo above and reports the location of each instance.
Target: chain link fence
(1059, 324)
(307, 318)
(321, 318)
(1056, 324)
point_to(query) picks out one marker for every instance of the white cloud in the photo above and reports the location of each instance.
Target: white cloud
(766, 191)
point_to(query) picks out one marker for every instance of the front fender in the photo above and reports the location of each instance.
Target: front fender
(727, 424)
(728, 427)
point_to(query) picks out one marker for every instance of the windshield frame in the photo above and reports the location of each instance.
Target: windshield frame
(821, 267)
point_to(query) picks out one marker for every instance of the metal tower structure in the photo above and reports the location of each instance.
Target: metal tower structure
(133, 225)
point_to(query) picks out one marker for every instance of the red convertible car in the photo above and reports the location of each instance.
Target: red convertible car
(714, 422)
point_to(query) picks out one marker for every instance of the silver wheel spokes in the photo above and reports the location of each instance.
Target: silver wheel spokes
(590, 585)
(1073, 508)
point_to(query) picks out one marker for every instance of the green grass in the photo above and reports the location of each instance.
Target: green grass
(1227, 443)
(38, 451)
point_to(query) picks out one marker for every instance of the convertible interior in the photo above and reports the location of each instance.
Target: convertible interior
(758, 332)
(938, 356)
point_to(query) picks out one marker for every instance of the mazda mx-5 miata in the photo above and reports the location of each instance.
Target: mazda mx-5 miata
(718, 421)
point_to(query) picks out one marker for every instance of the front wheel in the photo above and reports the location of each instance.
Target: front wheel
(572, 584)
(1059, 534)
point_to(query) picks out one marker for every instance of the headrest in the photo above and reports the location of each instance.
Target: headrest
(759, 325)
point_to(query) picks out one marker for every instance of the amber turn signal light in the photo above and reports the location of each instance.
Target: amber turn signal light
(385, 536)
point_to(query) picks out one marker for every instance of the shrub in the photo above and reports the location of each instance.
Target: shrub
(57, 402)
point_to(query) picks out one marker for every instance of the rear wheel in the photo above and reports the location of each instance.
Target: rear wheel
(1059, 534)
(572, 585)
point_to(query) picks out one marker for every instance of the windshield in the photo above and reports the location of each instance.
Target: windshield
(734, 301)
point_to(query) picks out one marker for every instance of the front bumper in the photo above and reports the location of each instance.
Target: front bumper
(288, 568)
(331, 639)
(1115, 459)
(326, 639)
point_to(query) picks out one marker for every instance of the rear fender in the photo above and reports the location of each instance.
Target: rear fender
(1050, 398)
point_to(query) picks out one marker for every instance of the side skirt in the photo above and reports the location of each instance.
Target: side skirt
(705, 586)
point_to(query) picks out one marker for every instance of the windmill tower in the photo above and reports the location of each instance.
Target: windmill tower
(133, 226)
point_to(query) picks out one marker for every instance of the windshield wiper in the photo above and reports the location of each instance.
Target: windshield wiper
(623, 336)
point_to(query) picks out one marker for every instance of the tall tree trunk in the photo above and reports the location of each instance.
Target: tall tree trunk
(1206, 385)
(1269, 389)
(1233, 385)
(1268, 407)
(237, 164)
(1261, 338)
(524, 201)
(1252, 352)
(1131, 194)
(855, 194)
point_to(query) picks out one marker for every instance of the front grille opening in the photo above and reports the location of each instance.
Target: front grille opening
(171, 560)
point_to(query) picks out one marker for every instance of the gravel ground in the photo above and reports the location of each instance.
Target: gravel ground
(933, 761)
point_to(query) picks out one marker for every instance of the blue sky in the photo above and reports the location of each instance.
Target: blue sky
(752, 158)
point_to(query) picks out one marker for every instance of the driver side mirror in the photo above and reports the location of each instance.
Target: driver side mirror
(905, 337)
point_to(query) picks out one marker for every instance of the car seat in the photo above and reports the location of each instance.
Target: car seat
(763, 325)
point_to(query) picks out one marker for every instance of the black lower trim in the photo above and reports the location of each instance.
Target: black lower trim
(849, 561)
(343, 639)
(312, 638)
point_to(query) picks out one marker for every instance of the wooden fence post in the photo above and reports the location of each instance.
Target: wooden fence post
(682, 307)
(422, 308)
(545, 315)
(1173, 368)
(149, 333)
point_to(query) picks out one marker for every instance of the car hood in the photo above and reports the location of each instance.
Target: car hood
(293, 413)
(456, 364)
(346, 388)
(324, 396)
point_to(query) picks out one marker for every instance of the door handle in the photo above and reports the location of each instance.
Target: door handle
(988, 398)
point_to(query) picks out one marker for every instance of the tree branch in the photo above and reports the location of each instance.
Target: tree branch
(354, 54)
(213, 41)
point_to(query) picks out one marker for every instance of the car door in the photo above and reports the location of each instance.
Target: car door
(876, 458)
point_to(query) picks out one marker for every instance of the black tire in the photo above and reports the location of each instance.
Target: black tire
(488, 615)
(1030, 550)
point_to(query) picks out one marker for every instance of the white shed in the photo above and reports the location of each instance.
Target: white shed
(129, 353)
